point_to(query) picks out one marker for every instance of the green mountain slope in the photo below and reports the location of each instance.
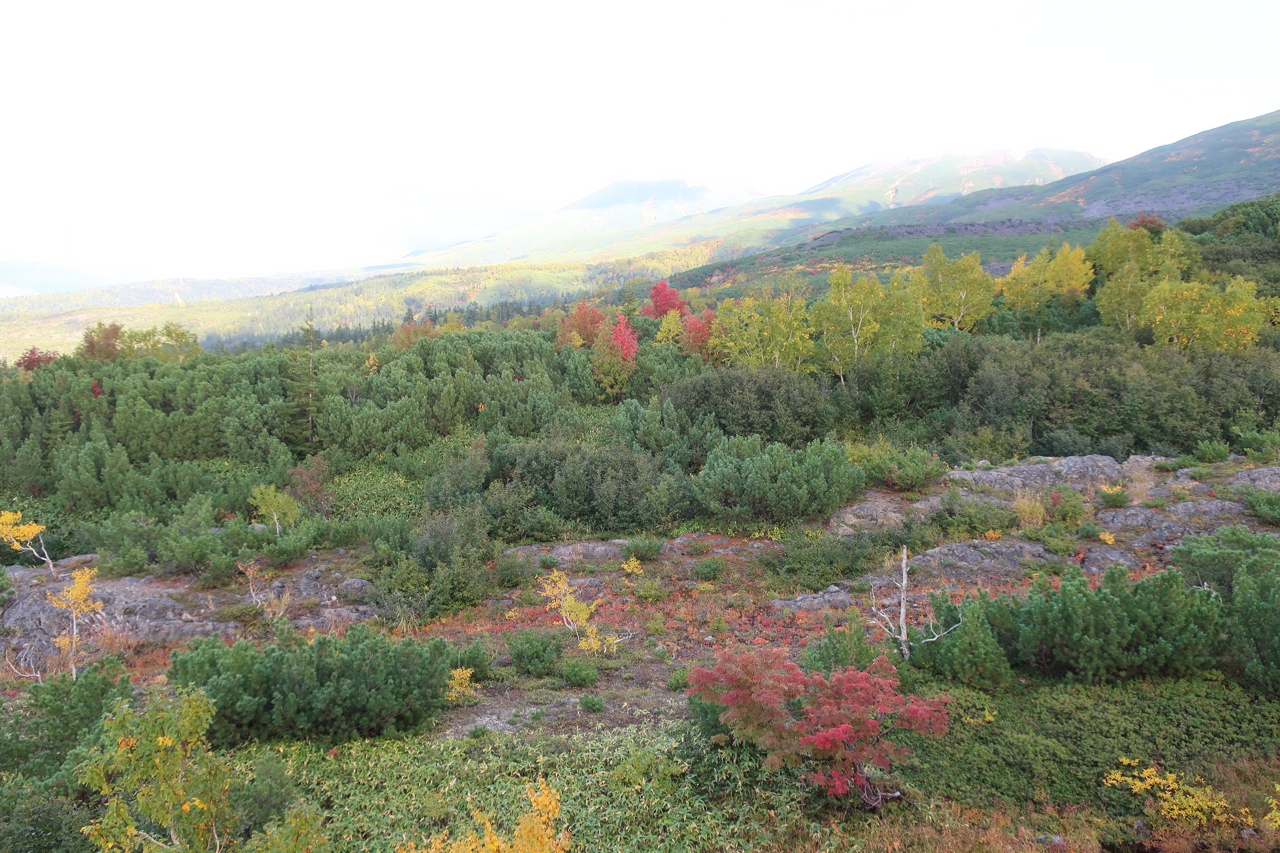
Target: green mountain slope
(1194, 176)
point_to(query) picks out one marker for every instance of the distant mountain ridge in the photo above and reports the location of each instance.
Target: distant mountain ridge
(1193, 176)
(631, 218)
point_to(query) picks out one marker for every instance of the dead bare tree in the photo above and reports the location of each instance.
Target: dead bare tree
(899, 632)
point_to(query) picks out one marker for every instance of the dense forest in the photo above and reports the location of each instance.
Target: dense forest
(437, 454)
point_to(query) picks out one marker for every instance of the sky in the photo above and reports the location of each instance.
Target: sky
(142, 141)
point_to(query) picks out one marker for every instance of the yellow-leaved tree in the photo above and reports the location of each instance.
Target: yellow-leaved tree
(76, 600)
(771, 329)
(1029, 286)
(535, 830)
(859, 317)
(956, 293)
(23, 535)
(1189, 314)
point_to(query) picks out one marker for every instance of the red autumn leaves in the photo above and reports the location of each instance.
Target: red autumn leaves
(836, 725)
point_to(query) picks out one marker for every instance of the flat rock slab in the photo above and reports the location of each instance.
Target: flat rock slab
(876, 511)
(1101, 557)
(1001, 558)
(833, 597)
(1208, 509)
(1132, 517)
(1263, 479)
(1076, 471)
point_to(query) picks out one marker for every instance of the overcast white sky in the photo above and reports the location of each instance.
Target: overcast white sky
(203, 139)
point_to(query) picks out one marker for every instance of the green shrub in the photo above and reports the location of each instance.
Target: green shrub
(265, 795)
(777, 405)
(33, 818)
(678, 680)
(477, 657)
(907, 470)
(746, 480)
(534, 652)
(970, 655)
(1055, 742)
(813, 559)
(511, 571)
(39, 740)
(359, 685)
(642, 548)
(708, 569)
(968, 518)
(1212, 451)
(838, 648)
(548, 561)
(651, 590)
(579, 672)
(1064, 504)
(248, 614)
(1115, 497)
(1255, 635)
(1263, 505)
(1057, 538)
(1217, 560)
(591, 704)
(1157, 626)
(1261, 446)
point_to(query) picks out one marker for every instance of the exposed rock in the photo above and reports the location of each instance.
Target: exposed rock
(832, 597)
(1209, 509)
(1081, 471)
(1166, 535)
(1130, 517)
(598, 552)
(1141, 466)
(1001, 557)
(66, 564)
(1100, 557)
(875, 511)
(354, 587)
(142, 609)
(1264, 479)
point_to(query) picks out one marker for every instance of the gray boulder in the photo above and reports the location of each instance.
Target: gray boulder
(1130, 517)
(1208, 509)
(1076, 471)
(1263, 479)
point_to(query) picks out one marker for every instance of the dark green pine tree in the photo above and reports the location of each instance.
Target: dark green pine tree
(302, 388)
(970, 654)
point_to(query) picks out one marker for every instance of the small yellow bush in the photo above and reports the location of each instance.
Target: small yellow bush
(992, 535)
(1106, 538)
(1029, 509)
(1174, 802)
(461, 690)
(632, 567)
(535, 831)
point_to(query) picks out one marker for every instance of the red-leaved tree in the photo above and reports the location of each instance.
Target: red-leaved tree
(697, 332)
(625, 338)
(580, 328)
(838, 726)
(36, 358)
(663, 299)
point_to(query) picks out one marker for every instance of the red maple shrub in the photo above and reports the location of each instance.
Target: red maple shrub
(838, 726)
(697, 332)
(580, 327)
(35, 358)
(625, 338)
(663, 299)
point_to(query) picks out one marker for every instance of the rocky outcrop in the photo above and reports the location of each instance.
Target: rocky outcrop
(1207, 510)
(1074, 471)
(1263, 479)
(832, 598)
(876, 511)
(1131, 517)
(1007, 558)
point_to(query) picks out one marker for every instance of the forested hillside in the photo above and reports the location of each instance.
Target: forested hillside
(850, 550)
